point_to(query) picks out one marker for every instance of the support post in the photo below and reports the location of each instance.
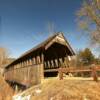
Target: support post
(42, 66)
(31, 61)
(34, 60)
(60, 74)
(52, 63)
(94, 74)
(56, 62)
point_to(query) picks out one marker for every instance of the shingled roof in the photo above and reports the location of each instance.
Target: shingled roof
(42, 45)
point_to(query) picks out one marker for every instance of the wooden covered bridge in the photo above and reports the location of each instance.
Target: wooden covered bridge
(41, 61)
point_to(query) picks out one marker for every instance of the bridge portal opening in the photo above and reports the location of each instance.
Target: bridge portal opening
(54, 57)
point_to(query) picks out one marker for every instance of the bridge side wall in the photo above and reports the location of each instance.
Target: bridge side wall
(27, 72)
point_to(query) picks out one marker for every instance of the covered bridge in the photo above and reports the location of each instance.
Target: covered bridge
(41, 61)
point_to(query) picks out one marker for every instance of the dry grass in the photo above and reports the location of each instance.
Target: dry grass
(6, 91)
(68, 89)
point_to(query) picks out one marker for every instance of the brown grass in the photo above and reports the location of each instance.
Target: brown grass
(68, 89)
(6, 91)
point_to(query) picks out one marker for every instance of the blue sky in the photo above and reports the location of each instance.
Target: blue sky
(24, 23)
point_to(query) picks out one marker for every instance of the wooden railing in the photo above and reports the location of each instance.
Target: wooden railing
(92, 69)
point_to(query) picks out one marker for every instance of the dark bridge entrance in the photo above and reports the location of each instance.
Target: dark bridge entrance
(54, 57)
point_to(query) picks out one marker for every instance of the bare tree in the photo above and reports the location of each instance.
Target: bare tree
(51, 28)
(89, 20)
(3, 55)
